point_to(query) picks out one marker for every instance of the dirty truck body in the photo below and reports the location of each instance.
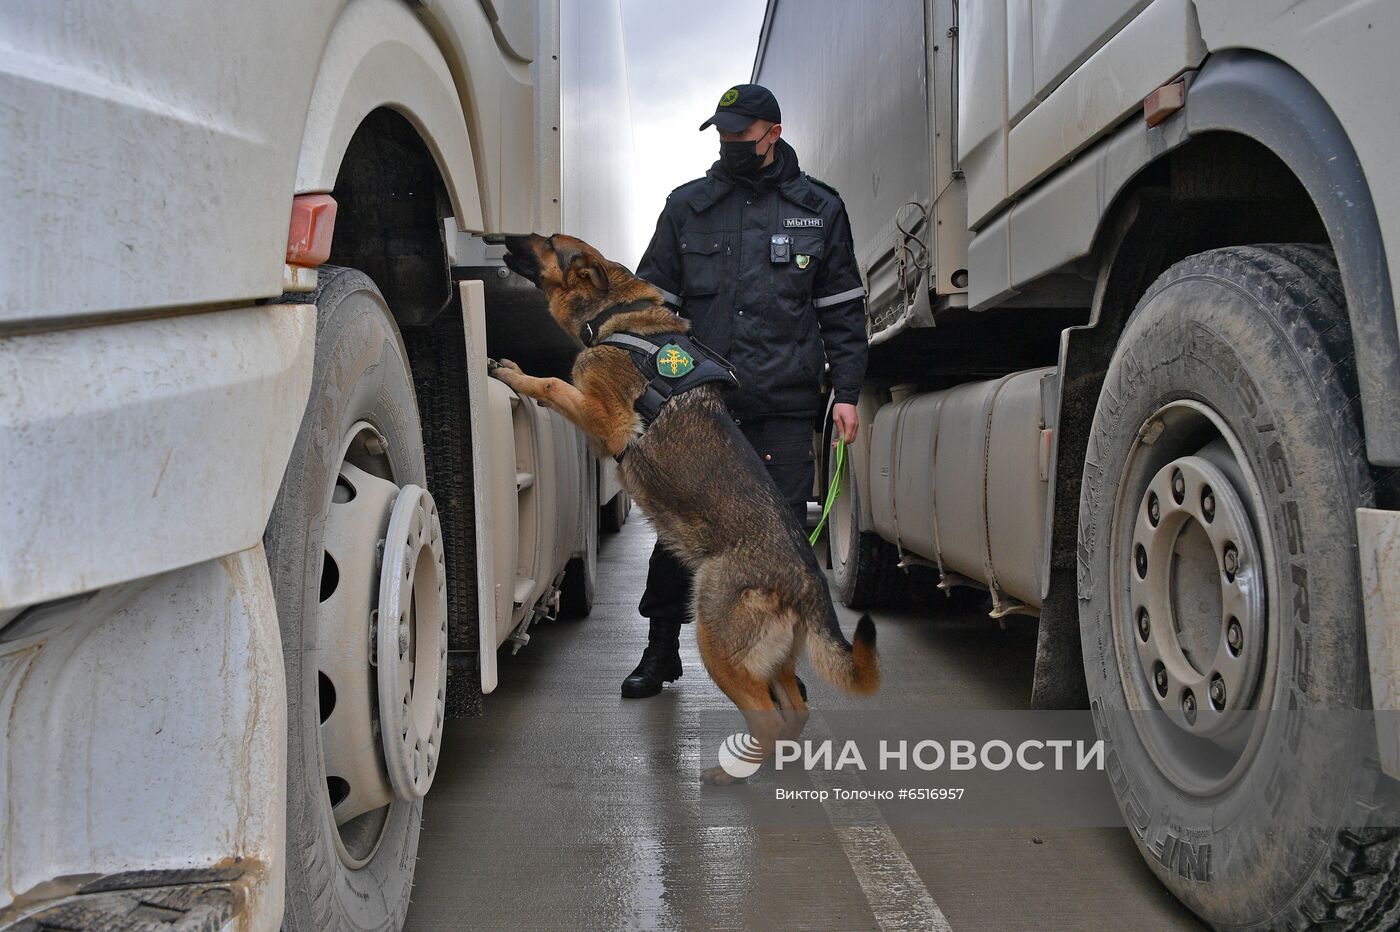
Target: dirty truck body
(266, 521)
(1134, 370)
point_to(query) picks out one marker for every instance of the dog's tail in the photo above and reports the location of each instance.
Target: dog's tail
(854, 668)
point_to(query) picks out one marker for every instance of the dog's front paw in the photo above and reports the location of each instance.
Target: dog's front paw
(502, 369)
(716, 776)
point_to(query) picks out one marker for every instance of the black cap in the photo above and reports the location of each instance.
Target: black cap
(741, 105)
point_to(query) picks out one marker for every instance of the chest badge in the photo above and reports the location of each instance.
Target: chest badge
(803, 222)
(673, 362)
(803, 261)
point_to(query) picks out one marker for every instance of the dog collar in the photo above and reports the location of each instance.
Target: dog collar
(589, 331)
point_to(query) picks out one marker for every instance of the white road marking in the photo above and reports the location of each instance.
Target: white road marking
(894, 890)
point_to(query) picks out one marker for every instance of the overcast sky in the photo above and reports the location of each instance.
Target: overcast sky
(681, 56)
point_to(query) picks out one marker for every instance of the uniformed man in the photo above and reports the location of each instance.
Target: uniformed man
(758, 256)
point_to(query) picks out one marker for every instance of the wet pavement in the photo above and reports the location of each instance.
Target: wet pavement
(567, 807)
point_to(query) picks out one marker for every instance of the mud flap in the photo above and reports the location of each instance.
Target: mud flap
(1059, 662)
(175, 900)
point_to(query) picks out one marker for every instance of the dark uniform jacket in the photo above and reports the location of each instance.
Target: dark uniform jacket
(712, 257)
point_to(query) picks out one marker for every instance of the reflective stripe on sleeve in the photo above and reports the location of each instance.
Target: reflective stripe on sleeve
(839, 298)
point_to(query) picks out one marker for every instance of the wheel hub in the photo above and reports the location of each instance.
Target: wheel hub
(1196, 592)
(411, 642)
(344, 656)
(371, 524)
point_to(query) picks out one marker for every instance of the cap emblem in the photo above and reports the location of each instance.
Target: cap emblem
(729, 97)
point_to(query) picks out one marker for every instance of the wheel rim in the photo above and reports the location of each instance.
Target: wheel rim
(1190, 614)
(359, 789)
(411, 653)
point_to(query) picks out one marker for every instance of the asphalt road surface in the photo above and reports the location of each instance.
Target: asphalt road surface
(567, 807)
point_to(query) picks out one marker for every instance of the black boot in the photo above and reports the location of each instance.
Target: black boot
(661, 661)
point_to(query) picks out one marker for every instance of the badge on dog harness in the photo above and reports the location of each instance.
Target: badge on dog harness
(671, 368)
(673, 362)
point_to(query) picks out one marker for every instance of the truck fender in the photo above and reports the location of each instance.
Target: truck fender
(1262, 98)
(380, 55)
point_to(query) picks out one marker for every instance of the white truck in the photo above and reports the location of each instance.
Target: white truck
(1132, 268)
(265, 520)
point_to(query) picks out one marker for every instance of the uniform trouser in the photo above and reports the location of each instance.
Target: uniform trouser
(784, 444)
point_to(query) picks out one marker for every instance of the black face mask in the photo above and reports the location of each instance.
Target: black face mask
(741, 157)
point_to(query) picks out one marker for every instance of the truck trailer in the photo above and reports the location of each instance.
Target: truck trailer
(1135, 372)
(266, 522)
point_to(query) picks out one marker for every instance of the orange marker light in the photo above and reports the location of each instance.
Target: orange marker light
(313, 225)
(1163, 102)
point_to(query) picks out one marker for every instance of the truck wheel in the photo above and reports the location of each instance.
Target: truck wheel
(354, 541)
(581, 578)
(864, 568)
(576, 591)
(613, 515)
(1218, 576)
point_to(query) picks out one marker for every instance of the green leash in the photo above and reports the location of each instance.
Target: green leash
(832, 493)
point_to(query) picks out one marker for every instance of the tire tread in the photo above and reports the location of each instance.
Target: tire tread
(439, 355)
(877, 575)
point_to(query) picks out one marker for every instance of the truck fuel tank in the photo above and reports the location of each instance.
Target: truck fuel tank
(959, 478)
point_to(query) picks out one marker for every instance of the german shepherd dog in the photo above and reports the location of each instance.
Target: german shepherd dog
(759, 594)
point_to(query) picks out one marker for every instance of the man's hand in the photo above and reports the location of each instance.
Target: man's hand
(846, 421)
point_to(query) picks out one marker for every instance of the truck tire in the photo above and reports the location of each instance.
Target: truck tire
(439, 353)
(864, 568)
(1218, 576)
(581, 578)
(576, 591)
(362, 421)
(613, 515)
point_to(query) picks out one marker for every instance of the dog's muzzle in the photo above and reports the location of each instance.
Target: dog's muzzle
(521, 259)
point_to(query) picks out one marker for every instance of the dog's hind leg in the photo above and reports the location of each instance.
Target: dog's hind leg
(745, 690)
(789, 697)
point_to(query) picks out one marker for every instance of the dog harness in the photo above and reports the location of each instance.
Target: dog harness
(672, 363)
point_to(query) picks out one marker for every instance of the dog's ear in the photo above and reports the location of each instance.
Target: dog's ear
(599, 276)
(593, 269)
